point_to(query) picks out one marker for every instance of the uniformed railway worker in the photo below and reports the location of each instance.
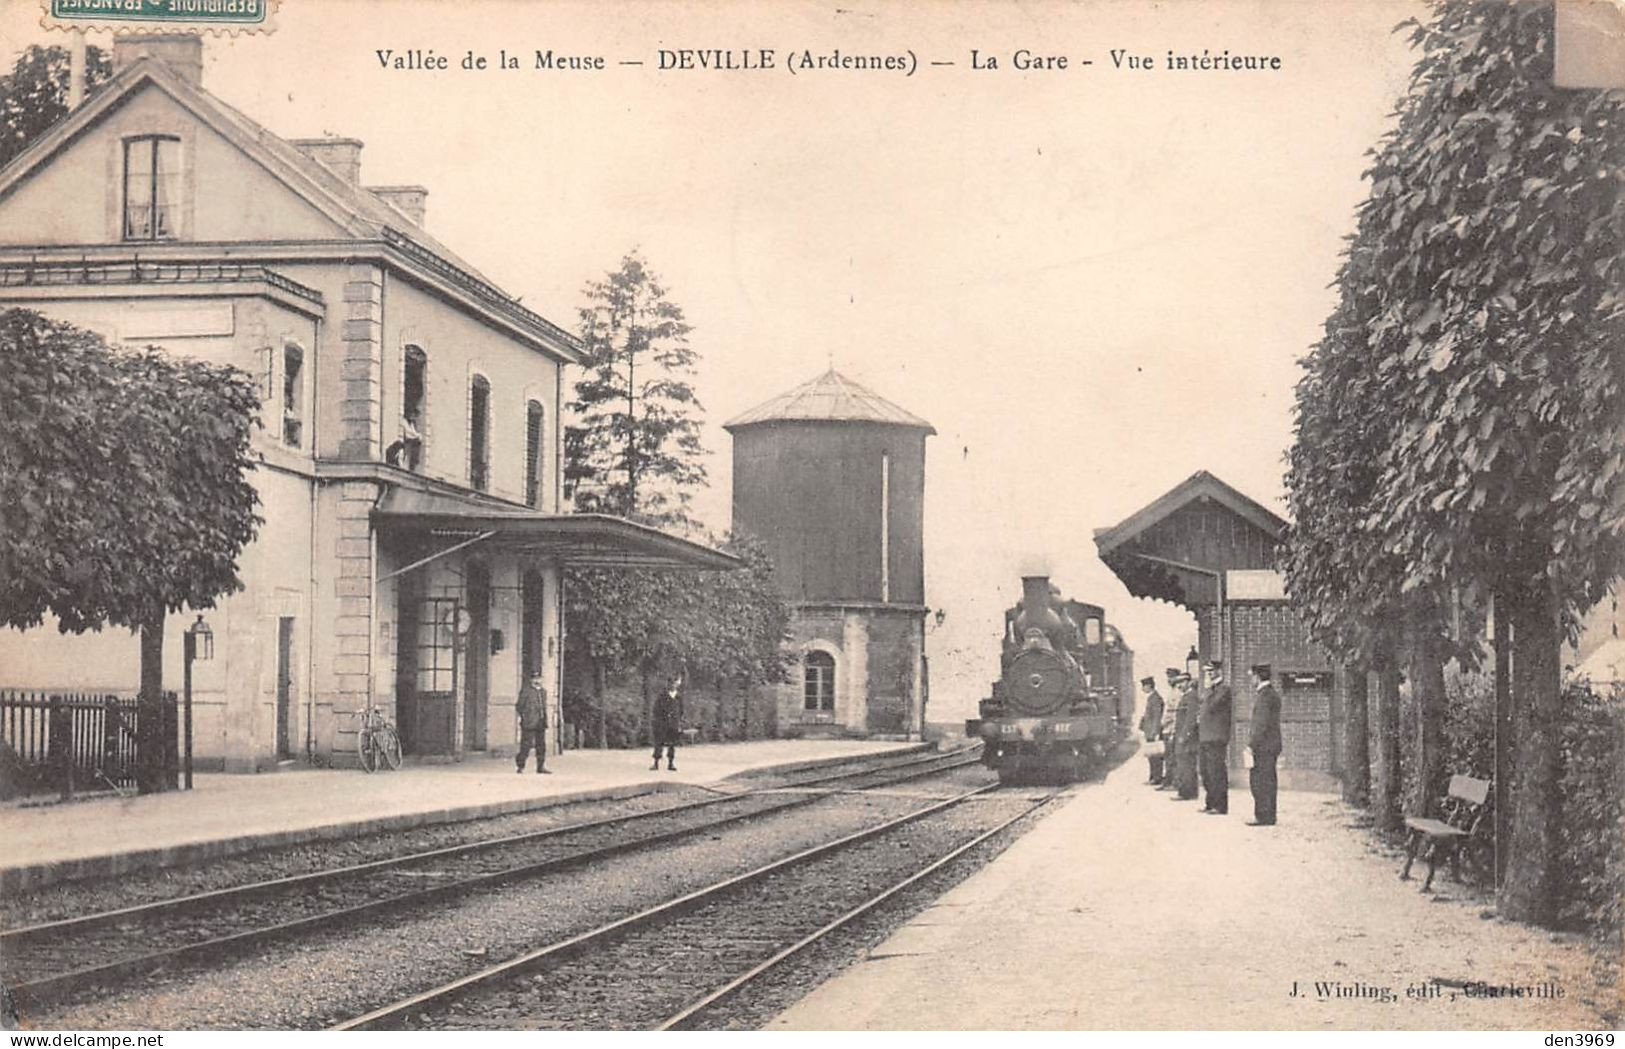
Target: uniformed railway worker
(532, 710)
(1264, 740)
(1186, 735)
(667, 724)
(1151, 726)
(1214, 733)
(1170, 718)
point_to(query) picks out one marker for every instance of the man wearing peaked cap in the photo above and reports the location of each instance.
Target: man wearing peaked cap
(1186, 739)
(1214, 736)
(1264, 740)
(1151, 728)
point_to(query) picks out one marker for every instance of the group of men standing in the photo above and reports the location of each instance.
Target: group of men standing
(1193, 730)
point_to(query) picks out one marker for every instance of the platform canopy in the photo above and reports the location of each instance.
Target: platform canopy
(574, 540)
(1178, 547)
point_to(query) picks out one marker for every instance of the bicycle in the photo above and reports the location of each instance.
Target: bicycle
(377, 742)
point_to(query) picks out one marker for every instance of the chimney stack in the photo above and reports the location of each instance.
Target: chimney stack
(341, 156)
(181, 52)
(410, 201)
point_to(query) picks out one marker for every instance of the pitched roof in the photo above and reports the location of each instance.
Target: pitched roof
(831, 397)
(357, 211)
(1198, 485)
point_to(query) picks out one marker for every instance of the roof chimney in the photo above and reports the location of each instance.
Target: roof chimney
(181, 52)
(410, 201)
(341, 156)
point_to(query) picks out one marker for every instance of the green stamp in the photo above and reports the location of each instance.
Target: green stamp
(113, 13)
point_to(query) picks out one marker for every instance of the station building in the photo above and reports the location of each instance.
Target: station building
(832, 478)
(1209, 548)
(409, 459)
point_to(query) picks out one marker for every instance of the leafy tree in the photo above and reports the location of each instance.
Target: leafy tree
(123, 490)
(1490, 283)
(34, 95)
(634, 449)
(722, 627)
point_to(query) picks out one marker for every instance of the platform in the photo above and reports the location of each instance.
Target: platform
(1124, 910)
(226, 814)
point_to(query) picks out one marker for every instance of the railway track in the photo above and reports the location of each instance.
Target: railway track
(49, 962)
(674, 964)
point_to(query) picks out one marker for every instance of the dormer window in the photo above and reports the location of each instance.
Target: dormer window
(152, 189)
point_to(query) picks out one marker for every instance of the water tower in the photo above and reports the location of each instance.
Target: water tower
(832, 478)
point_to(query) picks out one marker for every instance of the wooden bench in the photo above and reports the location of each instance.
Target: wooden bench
(1466, 812)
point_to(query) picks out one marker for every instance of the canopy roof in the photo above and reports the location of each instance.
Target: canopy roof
(1178, 547)
(576, 540)
(831, 397)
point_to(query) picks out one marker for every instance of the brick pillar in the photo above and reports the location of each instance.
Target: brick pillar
(361, 362)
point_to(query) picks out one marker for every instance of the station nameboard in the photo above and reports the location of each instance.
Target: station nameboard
(1254, 584)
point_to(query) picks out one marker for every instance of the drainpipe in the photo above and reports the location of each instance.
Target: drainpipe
(315, 490)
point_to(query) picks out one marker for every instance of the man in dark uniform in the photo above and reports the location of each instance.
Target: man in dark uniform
(667, 724)
(1151, 725)
(1264, 740)
(1186, 737)
(532, 707)
(1214, 733)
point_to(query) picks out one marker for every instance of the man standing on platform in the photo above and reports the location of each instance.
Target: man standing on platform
(1265, 742)
(1170, 719)
(532, 708)
(1214, 733)
(667, 727)
(1186, 737)
(1151, 728)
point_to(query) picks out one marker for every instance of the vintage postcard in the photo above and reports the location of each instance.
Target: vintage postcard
(1097, 515)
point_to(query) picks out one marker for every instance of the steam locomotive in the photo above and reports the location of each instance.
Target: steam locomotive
(1065, 694)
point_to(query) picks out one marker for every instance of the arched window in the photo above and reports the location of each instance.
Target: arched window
(152, 187)
(479, 433)
(818, 682)
(535, 415)
(293, 394)
(407, 451)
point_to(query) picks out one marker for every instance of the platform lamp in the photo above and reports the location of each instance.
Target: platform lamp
(197, 643)
(1193, 664)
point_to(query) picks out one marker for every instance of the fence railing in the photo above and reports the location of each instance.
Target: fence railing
(82, 741)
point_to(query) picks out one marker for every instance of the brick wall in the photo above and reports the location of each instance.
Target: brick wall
(1311, 715)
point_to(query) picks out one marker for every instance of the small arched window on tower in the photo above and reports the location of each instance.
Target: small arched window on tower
(534, 417)
(818, 683)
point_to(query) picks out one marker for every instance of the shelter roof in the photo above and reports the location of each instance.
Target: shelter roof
(576, 540)
(831, 397)
(1178, 547)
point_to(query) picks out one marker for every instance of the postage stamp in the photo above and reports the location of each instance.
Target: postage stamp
(226, 16)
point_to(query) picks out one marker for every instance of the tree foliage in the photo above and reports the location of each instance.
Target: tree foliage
(634, 448)
(723, 626)
(123, 483)
(1459, 427)
(34, 95)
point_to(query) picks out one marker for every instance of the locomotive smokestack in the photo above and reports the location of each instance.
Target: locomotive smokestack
(1035, 592)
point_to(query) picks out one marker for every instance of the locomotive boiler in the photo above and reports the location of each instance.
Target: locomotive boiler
(1058, 706)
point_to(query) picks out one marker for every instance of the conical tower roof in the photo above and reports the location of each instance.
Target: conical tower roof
(831, 397)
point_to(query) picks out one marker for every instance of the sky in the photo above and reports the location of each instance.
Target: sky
(1093, 281)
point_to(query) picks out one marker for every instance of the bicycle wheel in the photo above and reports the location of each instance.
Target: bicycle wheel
(367, 750)
(389, 746)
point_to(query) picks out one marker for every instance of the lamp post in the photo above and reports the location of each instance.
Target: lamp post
(197, 643)
(1193, 663)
